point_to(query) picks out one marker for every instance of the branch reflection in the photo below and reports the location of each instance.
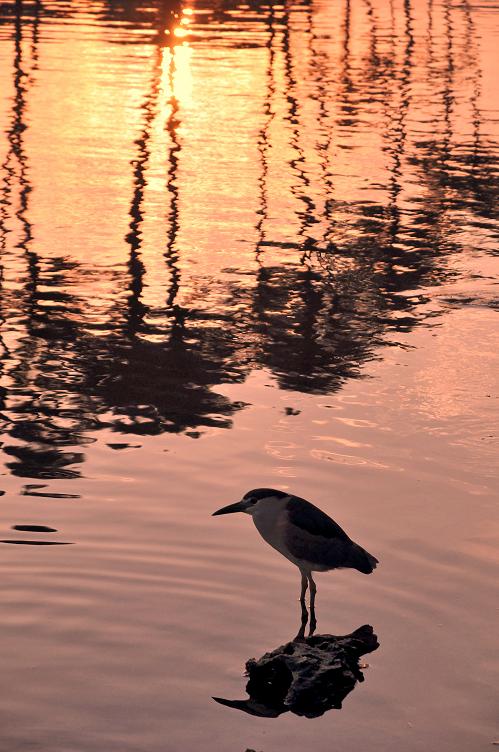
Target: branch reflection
(289, 214)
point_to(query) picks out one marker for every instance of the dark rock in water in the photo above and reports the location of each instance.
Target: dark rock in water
(307, 676)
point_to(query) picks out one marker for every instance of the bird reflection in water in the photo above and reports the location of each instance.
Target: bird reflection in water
(307, 676)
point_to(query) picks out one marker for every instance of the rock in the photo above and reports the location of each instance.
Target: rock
(306, 676)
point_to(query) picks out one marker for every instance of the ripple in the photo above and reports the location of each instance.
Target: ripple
(348, 459)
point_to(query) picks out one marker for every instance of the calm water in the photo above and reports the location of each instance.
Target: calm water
(246, 245)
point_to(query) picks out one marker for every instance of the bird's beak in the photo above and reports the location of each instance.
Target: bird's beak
(238, 507)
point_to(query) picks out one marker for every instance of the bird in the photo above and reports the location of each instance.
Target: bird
(302, 533)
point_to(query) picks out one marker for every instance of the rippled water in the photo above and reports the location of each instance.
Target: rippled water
(245, 245)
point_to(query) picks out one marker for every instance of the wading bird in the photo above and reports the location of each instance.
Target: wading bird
(303, 534)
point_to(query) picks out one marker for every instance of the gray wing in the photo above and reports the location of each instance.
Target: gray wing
(313, 520)
(315, 538)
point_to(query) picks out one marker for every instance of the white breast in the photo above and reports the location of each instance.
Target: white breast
(271, 519)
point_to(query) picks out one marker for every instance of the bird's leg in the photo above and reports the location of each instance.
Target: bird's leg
(304, 611)
(304, 586)
(313, 590)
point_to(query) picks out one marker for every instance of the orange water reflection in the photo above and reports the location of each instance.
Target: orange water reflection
(279, 189)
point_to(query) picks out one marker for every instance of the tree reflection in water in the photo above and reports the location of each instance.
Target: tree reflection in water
(312, 307)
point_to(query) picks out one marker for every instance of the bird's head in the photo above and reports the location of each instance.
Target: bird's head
(253, 500)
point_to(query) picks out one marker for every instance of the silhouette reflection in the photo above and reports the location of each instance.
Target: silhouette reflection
(307, 676)
(34, 541)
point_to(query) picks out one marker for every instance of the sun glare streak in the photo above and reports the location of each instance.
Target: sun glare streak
(176, 74)
(176, 71)
(179, 31)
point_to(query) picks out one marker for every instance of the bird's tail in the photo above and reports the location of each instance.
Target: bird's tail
(366, 562)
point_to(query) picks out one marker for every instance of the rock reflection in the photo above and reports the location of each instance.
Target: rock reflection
(307, 676)
(32, 489)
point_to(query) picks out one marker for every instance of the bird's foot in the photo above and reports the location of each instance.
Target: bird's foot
(313, 626)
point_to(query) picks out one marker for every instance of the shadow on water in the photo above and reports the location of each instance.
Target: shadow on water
(311, 310)
(34, 541)
(307, 676)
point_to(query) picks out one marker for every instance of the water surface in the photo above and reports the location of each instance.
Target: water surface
(245, 245)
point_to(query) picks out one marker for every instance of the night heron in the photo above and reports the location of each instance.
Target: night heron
(303, 534)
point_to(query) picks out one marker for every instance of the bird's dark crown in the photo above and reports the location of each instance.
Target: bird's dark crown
(263, 493)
